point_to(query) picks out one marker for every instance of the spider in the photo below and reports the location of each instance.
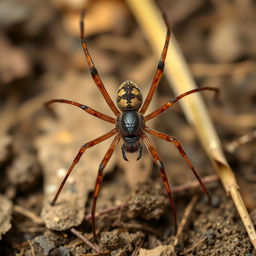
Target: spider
(130, 124)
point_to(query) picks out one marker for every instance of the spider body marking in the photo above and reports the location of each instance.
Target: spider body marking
(129, 125)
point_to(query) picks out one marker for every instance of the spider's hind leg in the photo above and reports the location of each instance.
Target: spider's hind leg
(99, 180)
(160, 165)
(182, 153)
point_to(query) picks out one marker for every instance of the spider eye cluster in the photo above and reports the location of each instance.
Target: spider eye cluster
(129, 96)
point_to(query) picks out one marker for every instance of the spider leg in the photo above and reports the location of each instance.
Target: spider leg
(160, 69)
(89, 110)
(182, 152)
(78, 156)
(160, 165)
(175, 99)
(99, 180)
(94, 71)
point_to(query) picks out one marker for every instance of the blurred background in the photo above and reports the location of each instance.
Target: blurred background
(41, 58)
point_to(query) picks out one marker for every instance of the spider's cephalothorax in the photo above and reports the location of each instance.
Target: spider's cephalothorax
(130, 123)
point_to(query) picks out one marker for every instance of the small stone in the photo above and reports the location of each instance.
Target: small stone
(45, 244)
(56, 219)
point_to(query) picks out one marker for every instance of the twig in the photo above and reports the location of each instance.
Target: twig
(32, 248)
(85, 240)
(136, 251)
(194, 246)
(32, 229)
(234, 145)
(29, 214)
(195, 184)
(107, 210)
(184, 219)
(138, 226)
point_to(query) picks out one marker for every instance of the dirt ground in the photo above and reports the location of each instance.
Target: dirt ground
(42, 59)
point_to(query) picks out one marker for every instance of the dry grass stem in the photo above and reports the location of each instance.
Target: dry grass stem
(179, 75)
(194, 246)
(28, 214)
(85, 240)
(234, 145)
(32, 248)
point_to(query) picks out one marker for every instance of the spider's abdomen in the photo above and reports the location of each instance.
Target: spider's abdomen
(129, 96)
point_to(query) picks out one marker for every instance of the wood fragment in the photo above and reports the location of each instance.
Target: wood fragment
(231, 147)
(194, 246)
(195, 184)
(32, 248)
(85, 240)
(27, 213)
(136, 251)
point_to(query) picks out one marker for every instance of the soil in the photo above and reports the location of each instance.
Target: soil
(42, 59)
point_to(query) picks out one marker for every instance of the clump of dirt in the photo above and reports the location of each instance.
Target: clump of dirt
(24, 173)
(51, 243)
(147, 201)
(118, 239)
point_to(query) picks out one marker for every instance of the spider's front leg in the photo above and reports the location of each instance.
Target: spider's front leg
(87, 109)
(94, 71)
(160, 69)
(176, 99)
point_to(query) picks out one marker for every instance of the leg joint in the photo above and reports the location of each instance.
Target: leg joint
(102, 166)
(160, 65)
(173, 140)
(160, 164)
(85, 146)
(83, 107)
(173, 100)
(94, 71)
